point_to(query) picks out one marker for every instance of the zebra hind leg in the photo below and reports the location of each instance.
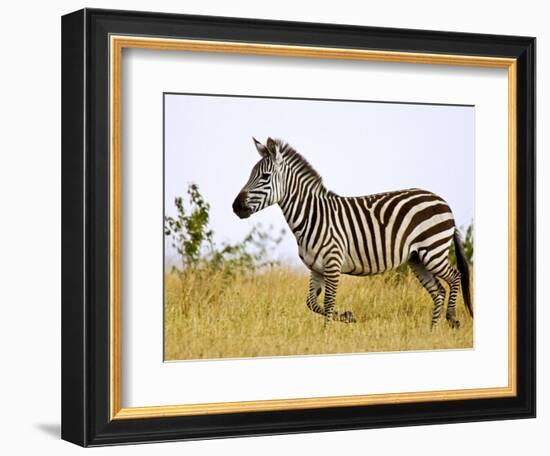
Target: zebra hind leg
(432, 285)
(452, 277)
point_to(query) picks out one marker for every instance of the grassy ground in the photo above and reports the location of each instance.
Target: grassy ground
(209, 316)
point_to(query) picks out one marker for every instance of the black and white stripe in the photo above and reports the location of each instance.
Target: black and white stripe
(357, 235)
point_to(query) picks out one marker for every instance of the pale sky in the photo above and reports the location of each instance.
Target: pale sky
(357, 147)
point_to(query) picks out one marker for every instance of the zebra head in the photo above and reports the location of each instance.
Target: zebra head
(265, 185)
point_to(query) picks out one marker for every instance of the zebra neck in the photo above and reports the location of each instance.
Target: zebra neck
(299, 203)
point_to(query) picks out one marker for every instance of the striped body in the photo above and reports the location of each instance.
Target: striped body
(357, 235)
(374, 233)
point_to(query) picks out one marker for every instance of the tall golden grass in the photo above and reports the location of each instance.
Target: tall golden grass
(210, 315)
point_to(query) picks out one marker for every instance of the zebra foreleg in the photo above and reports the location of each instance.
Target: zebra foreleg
(432, 286)
(332, 277)
(316, 283)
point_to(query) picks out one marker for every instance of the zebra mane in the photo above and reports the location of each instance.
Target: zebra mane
(296, 160)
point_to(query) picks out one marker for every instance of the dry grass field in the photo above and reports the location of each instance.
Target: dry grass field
(210, 315)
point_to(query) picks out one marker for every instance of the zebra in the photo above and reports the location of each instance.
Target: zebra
(359, 236)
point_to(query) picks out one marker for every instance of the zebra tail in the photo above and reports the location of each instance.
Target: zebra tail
(464, 270)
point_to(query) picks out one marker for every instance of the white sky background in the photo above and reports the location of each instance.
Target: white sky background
(357, 147)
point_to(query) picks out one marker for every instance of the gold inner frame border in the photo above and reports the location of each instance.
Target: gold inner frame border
(116, 46)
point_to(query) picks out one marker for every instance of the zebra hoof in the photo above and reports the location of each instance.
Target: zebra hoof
(455, 324)
(347, 317)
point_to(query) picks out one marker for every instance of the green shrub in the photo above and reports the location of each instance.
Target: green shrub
(193, 240)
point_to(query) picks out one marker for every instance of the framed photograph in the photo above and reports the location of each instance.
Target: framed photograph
(277, 227)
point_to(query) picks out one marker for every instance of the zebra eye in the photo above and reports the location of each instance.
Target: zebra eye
(266, 175)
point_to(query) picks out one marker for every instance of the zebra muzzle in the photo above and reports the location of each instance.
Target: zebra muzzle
(239, 206)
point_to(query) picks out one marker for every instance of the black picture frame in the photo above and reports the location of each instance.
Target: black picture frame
(85, 228)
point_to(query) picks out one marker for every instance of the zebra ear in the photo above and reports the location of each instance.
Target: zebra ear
(262, 150)
(271, 146)
(274, 151)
